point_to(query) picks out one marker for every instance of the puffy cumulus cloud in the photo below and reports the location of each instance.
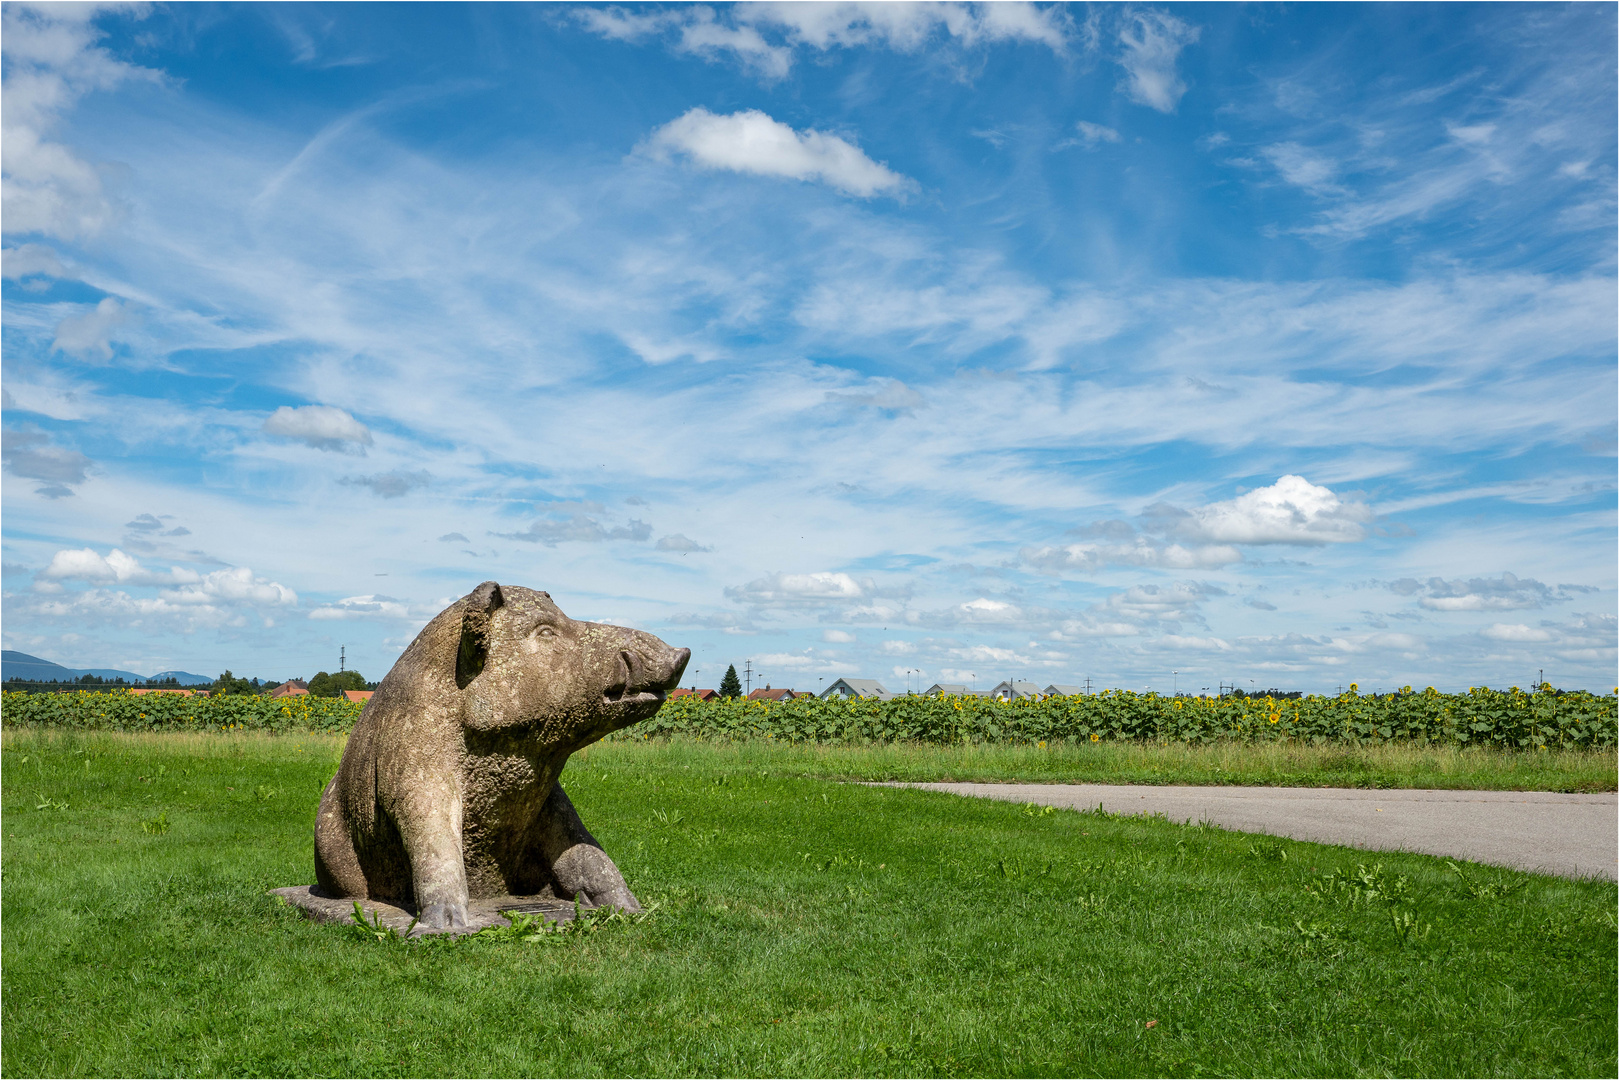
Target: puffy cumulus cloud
(391, 485)
(116, 567)
(52, 60)
(581, 528)
(751, 142)
(89, 334)
(837, 637)
(801, 590)
(1505, 593)
(232, 586)
(324, 427)
(680, 542)
(364, 607)
(31, 456)
(1151, 43)
(1141, 552)
(1290, 511)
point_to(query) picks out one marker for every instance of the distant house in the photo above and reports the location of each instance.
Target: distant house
(768, 694)
(941, 689)
(700, 695)
(848, 688)
(291, 688)
(1060, 690)
(356, 695)
(1012, 690)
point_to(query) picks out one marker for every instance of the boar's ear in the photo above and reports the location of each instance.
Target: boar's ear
(474, 650)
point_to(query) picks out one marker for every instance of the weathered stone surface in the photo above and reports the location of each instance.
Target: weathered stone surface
(447, 794)
(481, 913)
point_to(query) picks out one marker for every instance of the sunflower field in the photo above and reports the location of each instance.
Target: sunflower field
(1505, 719)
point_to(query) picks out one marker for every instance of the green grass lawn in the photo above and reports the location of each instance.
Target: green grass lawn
(801, 927)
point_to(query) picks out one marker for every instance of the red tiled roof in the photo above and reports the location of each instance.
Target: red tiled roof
(700, 695)
(358, 695)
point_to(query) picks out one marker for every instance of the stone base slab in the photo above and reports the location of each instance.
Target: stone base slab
(481, 914)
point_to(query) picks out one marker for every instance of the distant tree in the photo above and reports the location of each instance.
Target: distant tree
(730, 686)
(327, 684)
(230, 684)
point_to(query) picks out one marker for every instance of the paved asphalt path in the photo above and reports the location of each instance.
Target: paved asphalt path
(1543, 831)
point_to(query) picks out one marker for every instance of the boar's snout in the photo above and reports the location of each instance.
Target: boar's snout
(647, 670)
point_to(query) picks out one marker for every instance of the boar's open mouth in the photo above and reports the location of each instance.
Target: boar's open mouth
(630, 685)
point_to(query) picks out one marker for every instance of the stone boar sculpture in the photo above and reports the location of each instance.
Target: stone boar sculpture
(448, 788)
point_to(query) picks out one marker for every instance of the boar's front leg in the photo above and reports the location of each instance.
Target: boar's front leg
(430, 827)
(581, 868)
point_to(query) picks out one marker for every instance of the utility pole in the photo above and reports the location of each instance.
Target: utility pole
(1087, 686)
(342, 658)
(1177, 683)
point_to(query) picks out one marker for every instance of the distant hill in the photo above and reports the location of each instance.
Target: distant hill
(184, 678)
(19, 665)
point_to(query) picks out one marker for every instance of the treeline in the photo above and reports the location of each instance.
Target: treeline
(1508, 719)
(324, 684)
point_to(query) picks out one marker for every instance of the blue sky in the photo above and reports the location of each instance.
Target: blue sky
(1150, 345)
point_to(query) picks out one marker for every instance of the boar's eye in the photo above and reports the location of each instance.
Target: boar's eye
(546, 630)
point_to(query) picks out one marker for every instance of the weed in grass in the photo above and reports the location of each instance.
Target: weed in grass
(1268, 849)
(1485, 890)
(48, 803)
(156, 826)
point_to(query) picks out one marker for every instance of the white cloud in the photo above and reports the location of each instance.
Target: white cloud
(1473, 134)
(751, 142)
(89, 334)
(1506, 593)
(837, 637)
(30, 455)
(1156, 603)
(798, 590)
(739, 31)
(697, 31)
(233, 586)
(29, 260)
(1515, 632)
(1290, 511)
(1143, 552)
(681, 543)
(391, 485)
(1152, 42)
(908, 27)
(582, 528)
(86, 564)
(322, 426)
(1090, 135)
(1303, 167)
(51, 62)
(364, 607)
